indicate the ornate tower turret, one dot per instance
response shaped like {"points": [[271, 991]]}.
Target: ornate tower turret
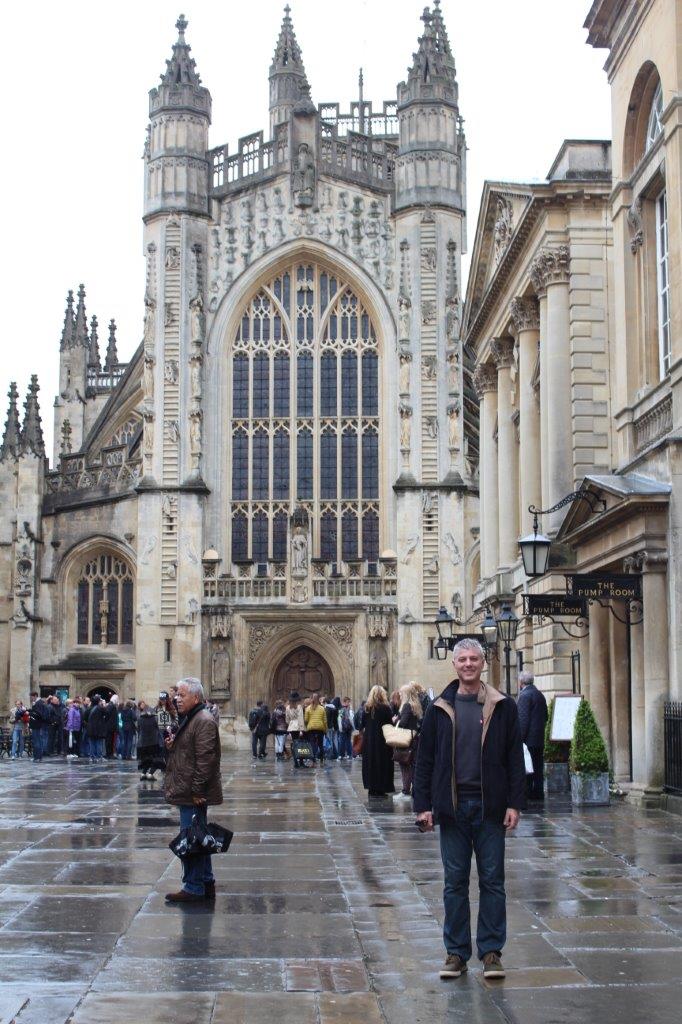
{"points": [[32, 430], [12, 435], [176, 169], [74, 356], [431, 163], [288, 80]]}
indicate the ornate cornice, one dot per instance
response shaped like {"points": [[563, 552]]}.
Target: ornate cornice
{"points": [[525, 313], [550, 266], [484, 379], [502, 350]]}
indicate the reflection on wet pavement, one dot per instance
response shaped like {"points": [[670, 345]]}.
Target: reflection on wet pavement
{"points": [[326, 912]]}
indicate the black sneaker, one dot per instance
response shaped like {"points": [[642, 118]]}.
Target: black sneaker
{"points": [[453, 967]]}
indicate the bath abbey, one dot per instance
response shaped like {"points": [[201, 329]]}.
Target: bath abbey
{"points": [[280, 489]]}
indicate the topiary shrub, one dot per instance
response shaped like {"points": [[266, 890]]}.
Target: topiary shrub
{"points": [[555, 753], [588, 750]]}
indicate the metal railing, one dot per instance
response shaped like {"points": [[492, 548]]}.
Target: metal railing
{"points": [[672, 746]]}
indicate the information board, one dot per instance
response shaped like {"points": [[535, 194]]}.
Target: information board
{"points": [[563, 718]]}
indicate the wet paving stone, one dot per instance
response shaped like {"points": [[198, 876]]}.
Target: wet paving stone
{"points": [[325, 912]]}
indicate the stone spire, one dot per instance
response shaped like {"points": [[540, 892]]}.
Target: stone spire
{"points": [[81, 322], [12, 436], [288, 80], [32, 431], [69, 329], [180, 83], [111, 360], [432, 75], [94, 360]]}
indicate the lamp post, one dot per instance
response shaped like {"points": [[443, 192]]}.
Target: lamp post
{"points": [[447, 638], [535, 547], [507, 627]]}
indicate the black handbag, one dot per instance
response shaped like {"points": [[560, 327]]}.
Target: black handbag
{"points": [[303, 750], [201, 840]]}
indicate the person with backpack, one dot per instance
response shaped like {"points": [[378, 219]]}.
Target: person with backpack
{"points": [[278, 725], [259, 724], [346, 726]]}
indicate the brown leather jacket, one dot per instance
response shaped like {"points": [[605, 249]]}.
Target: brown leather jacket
{"points": [[193, 767]]}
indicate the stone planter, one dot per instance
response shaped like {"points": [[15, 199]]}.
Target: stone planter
{"points": [[590, 789], [557, 781]]}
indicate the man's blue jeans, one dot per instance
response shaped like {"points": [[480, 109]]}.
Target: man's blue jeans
{"points": [[459, 836], [196, 871], [39, 742], [97, 748], [18, 741]]}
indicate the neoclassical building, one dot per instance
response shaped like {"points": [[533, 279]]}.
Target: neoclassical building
{"points": [[574, 317], [279, 489]]}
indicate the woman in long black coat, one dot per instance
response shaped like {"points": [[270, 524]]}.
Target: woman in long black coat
{"points": [[377, 758]]}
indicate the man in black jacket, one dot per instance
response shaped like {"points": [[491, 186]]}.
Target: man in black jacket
{"points": [[532, 708], [469, 779]]}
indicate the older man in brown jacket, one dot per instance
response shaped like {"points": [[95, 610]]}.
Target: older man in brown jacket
{"points": [[192, 782]]}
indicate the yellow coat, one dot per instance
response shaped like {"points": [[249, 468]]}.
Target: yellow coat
{"points": [[316, 718]]}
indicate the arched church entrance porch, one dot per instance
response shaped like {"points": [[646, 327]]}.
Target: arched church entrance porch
{"points": [[304, 670]]}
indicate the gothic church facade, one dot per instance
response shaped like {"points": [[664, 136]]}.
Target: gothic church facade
{"points": [[279, 490]]}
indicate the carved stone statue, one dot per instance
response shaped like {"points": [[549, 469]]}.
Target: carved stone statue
{"points": [[149, 378], [149, 435], [195, 433], [379, 665], [171, 371], [453, 318], [404, 317], [405, 360], [304, 177], [221, 669], [299, 553], [197, 321], [453, 417], [173, 431], [405, 425], [149, 331], [432, 427], [453, 370], [503, 227]]}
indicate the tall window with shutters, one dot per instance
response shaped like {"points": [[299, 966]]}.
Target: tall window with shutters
{"points": [[304, 418]]}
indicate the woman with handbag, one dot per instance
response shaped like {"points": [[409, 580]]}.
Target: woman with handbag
{"points": [[410, 717], [377, 757]]}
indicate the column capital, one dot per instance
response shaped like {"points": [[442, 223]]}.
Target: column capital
{"points": [[550, 265], [525, 313], [502, 350], [484, 379], [647, 562]]}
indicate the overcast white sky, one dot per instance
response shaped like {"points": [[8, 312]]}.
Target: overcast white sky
{"points": [[76, 79]]}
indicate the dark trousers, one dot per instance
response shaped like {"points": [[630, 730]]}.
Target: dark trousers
{"points": [[39, 739], [535, 782], [196, 871], [461, 836], [345, 744], [127, 738], [258, 744], [316, 737]]}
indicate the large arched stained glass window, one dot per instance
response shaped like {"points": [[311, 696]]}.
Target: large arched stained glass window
{"points": [[304, 418]]}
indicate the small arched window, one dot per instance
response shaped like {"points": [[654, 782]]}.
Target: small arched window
{"points": [[654, 126], [105, 601]]}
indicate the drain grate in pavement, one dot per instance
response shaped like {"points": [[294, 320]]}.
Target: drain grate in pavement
{"points": [[346, 822]]}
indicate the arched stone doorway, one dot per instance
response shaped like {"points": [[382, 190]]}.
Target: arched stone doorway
{"points": [[305, 670], [101, 690]]}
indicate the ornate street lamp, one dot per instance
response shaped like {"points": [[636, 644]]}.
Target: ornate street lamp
{"points": [[489, 629], [507, 627], [535, 551], [445, 624]]}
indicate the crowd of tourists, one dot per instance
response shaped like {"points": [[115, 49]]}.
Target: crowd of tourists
{"points": [[95, 728], [317, 729]]}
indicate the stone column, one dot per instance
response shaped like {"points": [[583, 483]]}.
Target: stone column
{"points": [[550, 271], [600, 690], [618, 664], [525, 314], [507, 456], [485, 383], [637, 690], [656, 677]]}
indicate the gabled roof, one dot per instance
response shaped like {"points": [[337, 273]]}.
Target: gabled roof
{"points": [[125, 389], [623, 494], [490, 252]]}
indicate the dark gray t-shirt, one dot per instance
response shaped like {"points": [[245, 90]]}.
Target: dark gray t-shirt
{"points": [[468, 732]]}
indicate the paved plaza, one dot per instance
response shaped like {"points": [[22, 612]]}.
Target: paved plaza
{"points": [[325, 912]]}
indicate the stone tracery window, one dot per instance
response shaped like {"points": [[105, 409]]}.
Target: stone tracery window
{"points": [[105, 601], [304, 418]]}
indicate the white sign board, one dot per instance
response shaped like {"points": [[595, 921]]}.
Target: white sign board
{"points": [[563, 719]]}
